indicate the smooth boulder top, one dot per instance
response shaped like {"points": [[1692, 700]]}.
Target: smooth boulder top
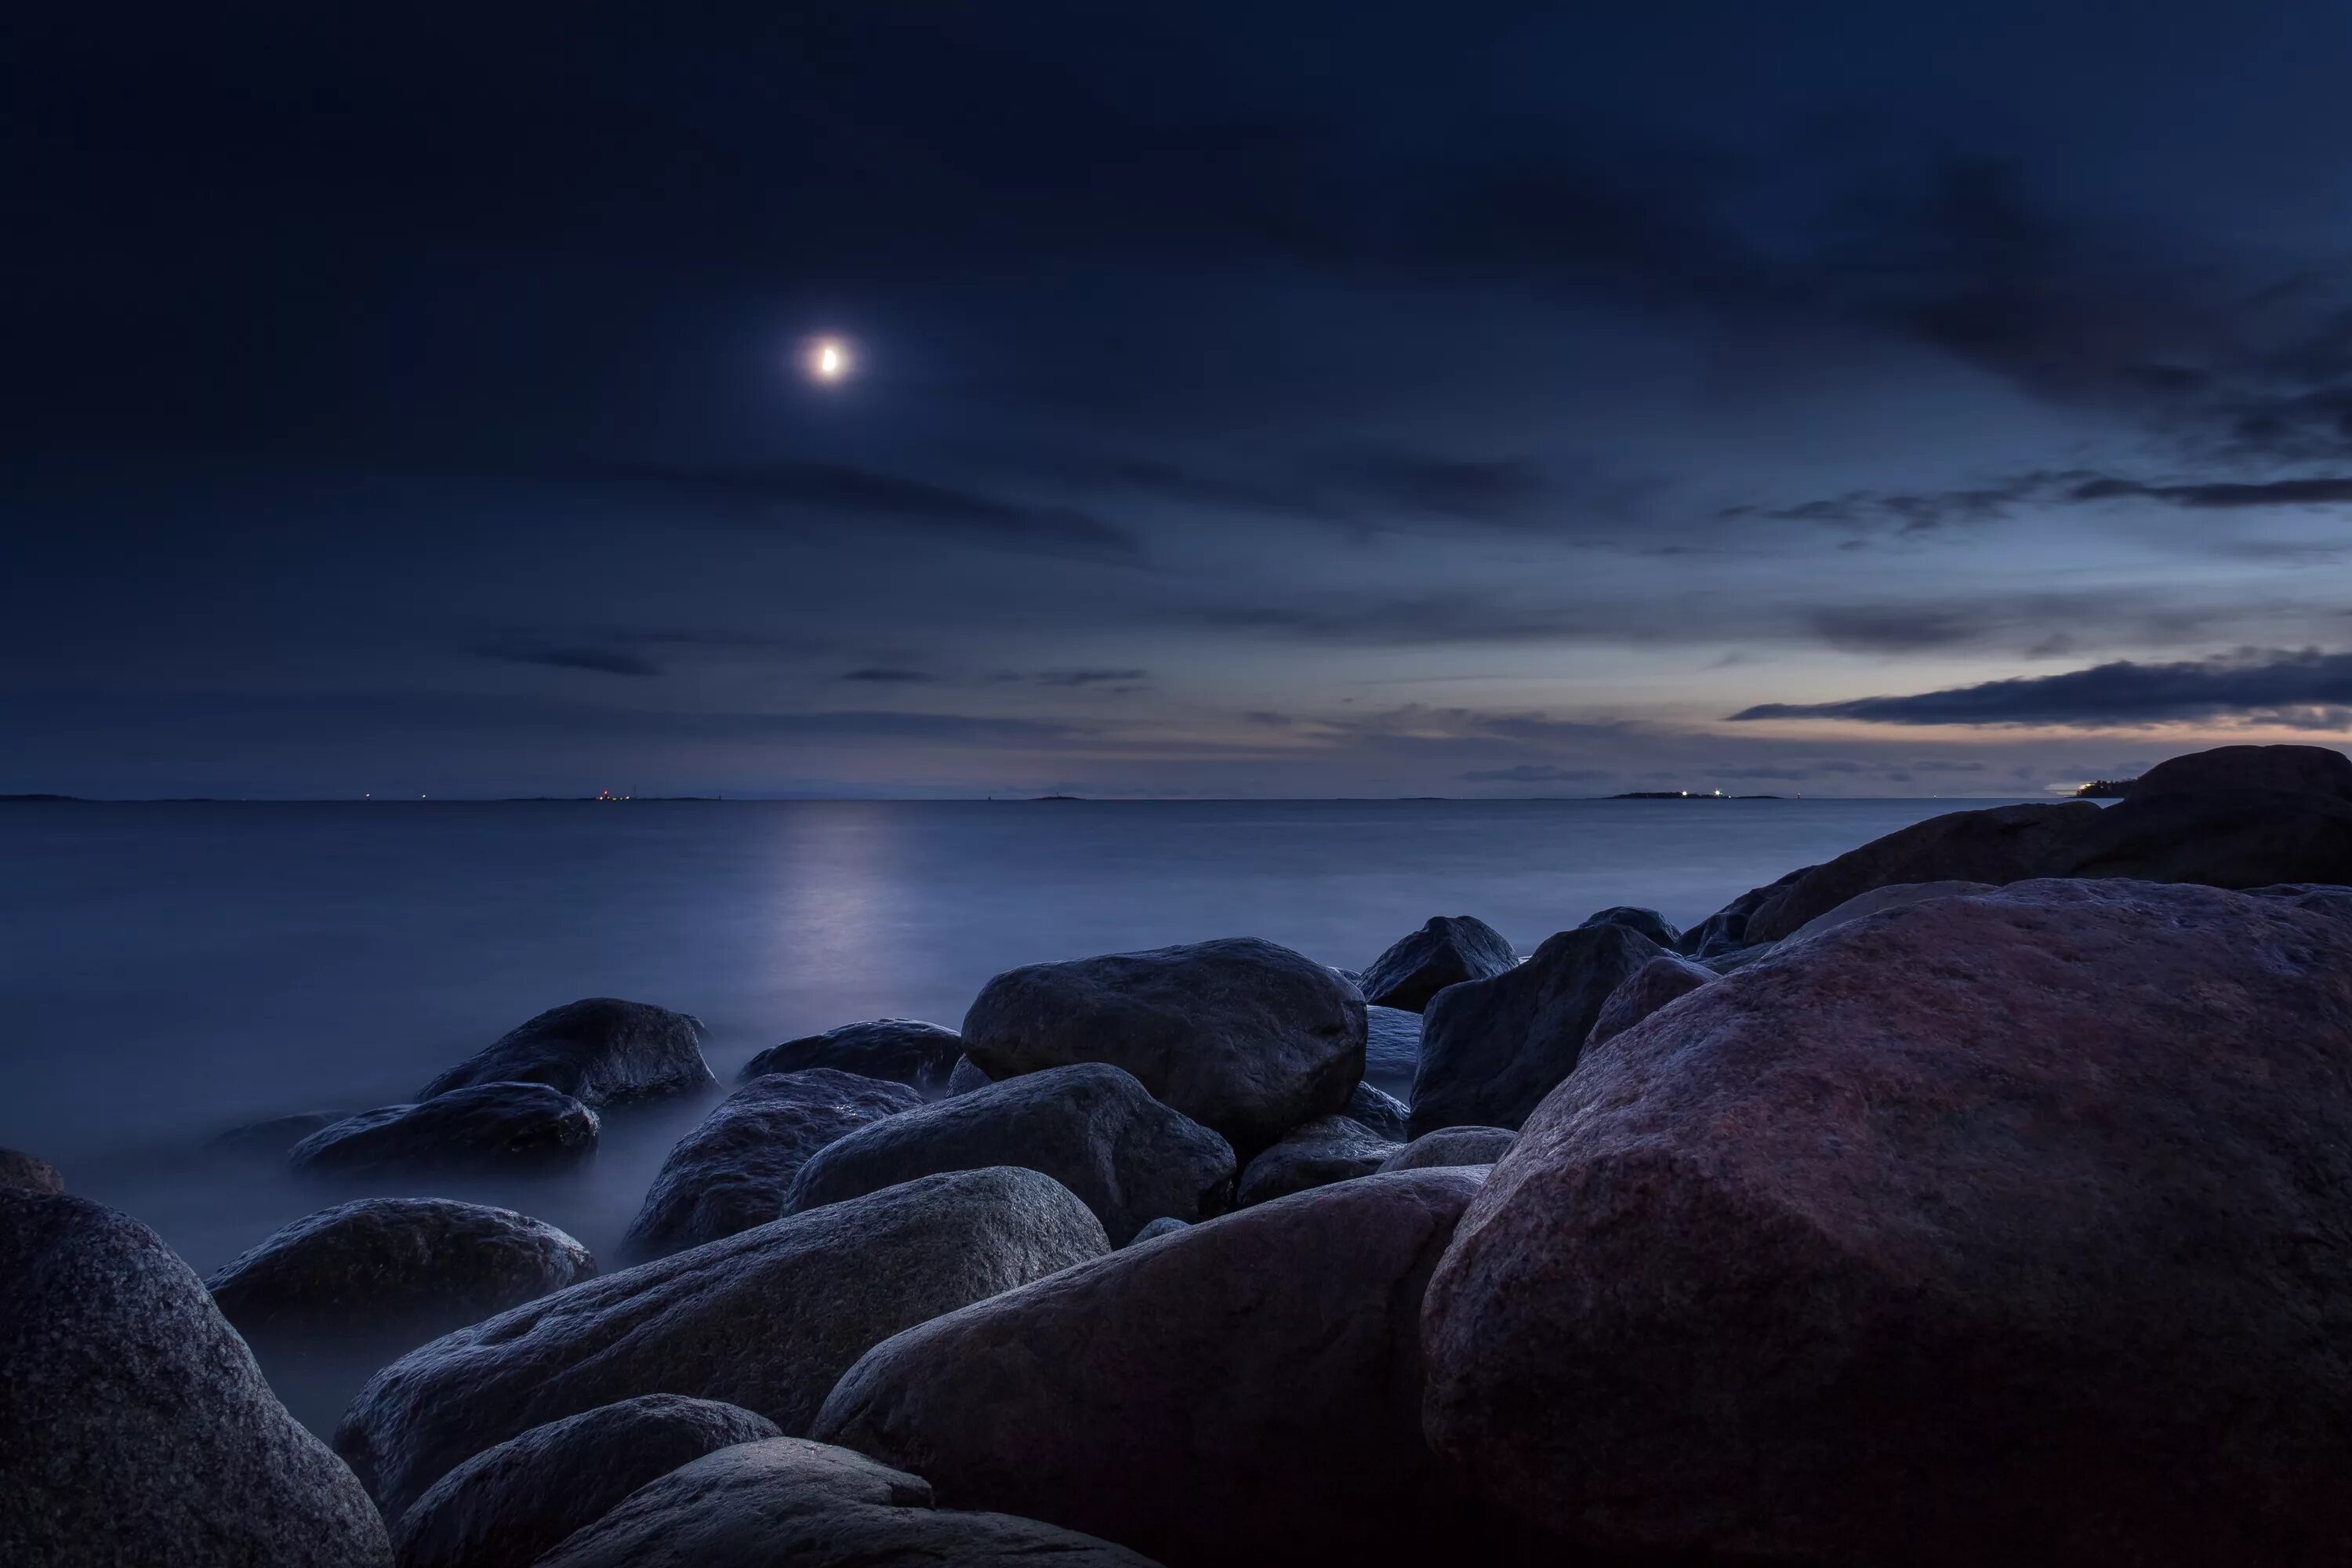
{"points": [[1240, 1391], [790, 1501], [766, 1319], [1382, 1113], [1089, 1126], [1391, 1048], [1649, 923], [2291, 770], [1665, 978], [1326, 1149], [413, 1268], [1450, 1147], [1893, 895], [1247, 1038], [488, 1126], [599, 1051], [1999, 844], [1446, 951], [734, 1169], [1491, 1049], [2223, 838], [1999, 1228], [25, 1173], [903, 1050], [134, 1425], [508, 1505]]}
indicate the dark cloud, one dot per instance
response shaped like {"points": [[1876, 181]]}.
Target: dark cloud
{"points": [[1073, 677], [1262, 716], [1534, 773], [1909, 629], [2217, 495], [883, 675], [2308, 689], [600, 660]]}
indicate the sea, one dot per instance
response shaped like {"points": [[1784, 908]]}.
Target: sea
{"points": [[169, 971]]}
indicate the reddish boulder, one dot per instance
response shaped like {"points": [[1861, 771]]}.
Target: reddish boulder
{"points": [[2014, 1227], [1664, 979], [2284, 770], [1999, 845]]}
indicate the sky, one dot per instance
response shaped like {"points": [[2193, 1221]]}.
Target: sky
{"points": [[1248, 399]]}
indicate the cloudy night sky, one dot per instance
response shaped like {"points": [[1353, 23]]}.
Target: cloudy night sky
{"points": [[1256, 399]]}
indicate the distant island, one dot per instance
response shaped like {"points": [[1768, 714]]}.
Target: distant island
{"points": [[2105, 789], [1688, 794]]}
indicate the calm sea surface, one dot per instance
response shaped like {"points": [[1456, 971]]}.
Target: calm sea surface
{"points": [[169, 971]]}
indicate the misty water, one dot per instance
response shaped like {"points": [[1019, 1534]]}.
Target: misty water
{"points": [[168, 972]]}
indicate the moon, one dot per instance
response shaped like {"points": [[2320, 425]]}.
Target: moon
{"points": [[828, 360]]}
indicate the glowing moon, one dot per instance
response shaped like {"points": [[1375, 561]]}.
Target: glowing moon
{"points": [[828, 360]]}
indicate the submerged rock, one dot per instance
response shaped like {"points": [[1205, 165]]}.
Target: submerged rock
{"points": [[790, 1501], [1446, 951], [510, 1504], [1999, 1228], [1450, 1147], [404, 1269], [766, 1319], [488, 1126], [734, 1169], [1091, 1127], [599, 1051], [28, 1173], [903, 1050], [1665, 978], [135, 1425], [1315, 1155], [1491, 1049], [1247, 1038]]}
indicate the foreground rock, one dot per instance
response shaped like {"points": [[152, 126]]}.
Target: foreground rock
{"points": [[490, 1126], [1895, 896], [903, 1050], [1446, 951], [1315, 1155], [598, 1051], [510, 1504], [1247, 1038], [25, 1173], [766, 1319], [1999, 844], [1665, 978], [2001, 1228], [732, 1172], [403, 1269], [790, 1501], [1391, 1048], [2277, 770], [1491, 1049], [1245, 1391], [1090, 1127], [135, 1425], [1451, 1146]]}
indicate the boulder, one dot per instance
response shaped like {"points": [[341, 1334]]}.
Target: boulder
{"points": [[1385, 1114], [1326, 1149], [767, 1320], [1649, 923], [2223, 839], [966, 1077], [1893, 895], [903, 1050], [1662, 980], [2323, 898], [1246, 1391], [1999, 845], [790, 1501], [1727, 929], [2000, 1228], [135, 1425], [488, 1126], [1491, 1049], [1246, 1038], [396, 1269], [1166, 1225], [1391, 1048], [2280, 770], [732, 1170], [1450, 1147], [1089, 1126], [272, 1137], [598, 1052], [511, 1503], [21, 1171], [1446, 951]]}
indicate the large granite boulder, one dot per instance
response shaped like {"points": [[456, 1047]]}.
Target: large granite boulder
{"points": [[1451, 1146], [510, 1504], [394, 1270], [135, 1425], [1665, 978], [767, 1320], [1313, 1154], [1089, 1126], [732, 1170], [1247, 1038], [2223, 839], [1491, 1049], [1893, 895], [598, 1050], [1649, 923], [1391, 1048], [1999, 845], [791, 1503], [489, 1126], [903, 1050], [28, 1174], [1243, 1391], [1446, 951], [1726, 930], [2278, 769], [2001, 1228]]}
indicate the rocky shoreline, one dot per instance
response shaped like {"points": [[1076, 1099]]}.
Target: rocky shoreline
{"points": [[1983, 1194]]}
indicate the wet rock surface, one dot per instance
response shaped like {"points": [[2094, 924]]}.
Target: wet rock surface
{"points": [[599, 1051], [902, 1050], [1446, 951], [488, 1126]]}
